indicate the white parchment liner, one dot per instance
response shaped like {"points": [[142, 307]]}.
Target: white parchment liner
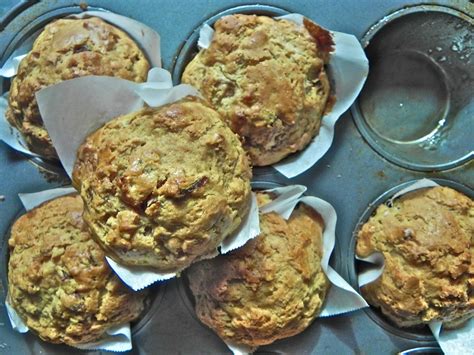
{"points": [[341, 298], [72, 109], [118, 338], [147, 39], [348, 70], [451, 341]]}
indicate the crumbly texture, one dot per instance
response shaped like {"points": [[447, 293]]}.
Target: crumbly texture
{"points": [[164, 186], [271, 288], [58, 279], [267, 79], [426, 238], [67, 49]]}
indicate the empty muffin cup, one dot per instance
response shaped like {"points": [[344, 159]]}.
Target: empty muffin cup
{"points": [[416, 107]]}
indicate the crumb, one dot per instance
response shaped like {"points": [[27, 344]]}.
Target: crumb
{"points": [[83, 6]]}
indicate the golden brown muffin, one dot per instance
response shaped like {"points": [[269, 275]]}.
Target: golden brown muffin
{"points": [[163, 186], [271, 288], [67, 49], [59, 281], [267, 79], [426, 238]]}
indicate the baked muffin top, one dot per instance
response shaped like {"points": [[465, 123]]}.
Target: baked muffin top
{"points": [[426, 238], [271, 288], [163, 186], [267, 79], [67, 49], [58, 280]]}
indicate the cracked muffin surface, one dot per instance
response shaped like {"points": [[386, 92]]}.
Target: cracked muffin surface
{"points": [[426, 238], [58, 279], [271, 288], [163, 187], [267, 79], [67, 49]]}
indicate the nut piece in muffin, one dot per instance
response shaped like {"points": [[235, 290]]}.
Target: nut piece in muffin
{"points": [[426, 238], [163, 187], [267, 79], [271, 288], [58, 279], [67, 49]]}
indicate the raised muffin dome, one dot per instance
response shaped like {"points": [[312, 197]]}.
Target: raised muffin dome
{"points": [[67, 49], [163, 187], [267, 79], [58, 279]]}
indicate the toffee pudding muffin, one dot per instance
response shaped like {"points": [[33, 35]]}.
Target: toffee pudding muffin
{"points": [[163, 187], [59, 282], [271, 288], [267, 79], [67, 49], [427, 240]]}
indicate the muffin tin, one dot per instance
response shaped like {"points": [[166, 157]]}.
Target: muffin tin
{"points": [[349, 176], [415, 107]]}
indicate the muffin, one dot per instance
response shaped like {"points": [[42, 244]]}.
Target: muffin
{"points": [[426, 238], [59, 282], [67, 49], [271, 288], [163, 187], [267, 79]]}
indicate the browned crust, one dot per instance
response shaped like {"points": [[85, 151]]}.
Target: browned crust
{"points": [[426, 239], [267, 78], [271, 288], [67, 49], [59, 281], [163, 186]]}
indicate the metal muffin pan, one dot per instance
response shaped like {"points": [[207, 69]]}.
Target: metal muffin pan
{"points": [[427, 350], [416, 108], [348, 176], [422, 334]]}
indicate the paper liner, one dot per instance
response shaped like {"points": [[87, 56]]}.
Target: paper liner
{"points": [[32, 200], [118, 338], [451, 341], [73, 109], [455, 341], [147, 39], [15, 320], [249, 227], [341, 298], [348, 69], [238, 349]]}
